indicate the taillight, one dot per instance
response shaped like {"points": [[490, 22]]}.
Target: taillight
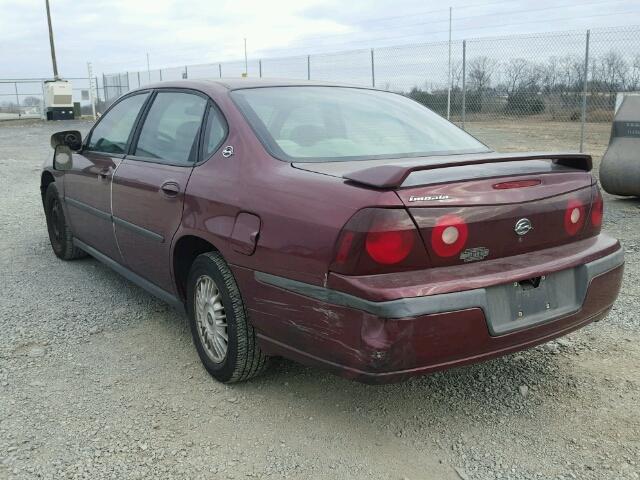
{"points": [[389, 247], [379, 240], [597, 211], [574, 217], [449, 235]]}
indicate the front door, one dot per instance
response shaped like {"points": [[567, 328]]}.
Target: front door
{"points": [[87, 184], [149, 185]]}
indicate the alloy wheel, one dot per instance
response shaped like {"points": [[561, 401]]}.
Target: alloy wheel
{"points": [[211, 319]]}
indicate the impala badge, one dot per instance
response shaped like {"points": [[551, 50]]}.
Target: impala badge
{"points": [[523, 226], [428, 198]]}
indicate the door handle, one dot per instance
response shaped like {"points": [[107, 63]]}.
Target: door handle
{"points": [[170, 189]]}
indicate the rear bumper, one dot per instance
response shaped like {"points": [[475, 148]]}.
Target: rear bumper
{"points": [[387, 341]]}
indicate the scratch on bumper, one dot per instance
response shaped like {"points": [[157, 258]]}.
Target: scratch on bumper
{"points": [[416, 306]]}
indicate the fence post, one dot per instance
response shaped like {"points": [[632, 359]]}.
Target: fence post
{"points": [[104, 88], [220, 69], [139, 85], [43, 113], [186, 72], [160, 71], [464, 81], [15, 85], [373, 71], [260, 68], [308, 67], [583, 115]]}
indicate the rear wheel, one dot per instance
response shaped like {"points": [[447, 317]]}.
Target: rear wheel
{"points": [[223, 336], [58, 228]]}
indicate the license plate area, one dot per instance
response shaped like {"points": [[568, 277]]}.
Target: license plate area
{"points": [[532, 301]]}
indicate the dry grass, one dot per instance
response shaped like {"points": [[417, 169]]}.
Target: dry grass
{"points": [[517, 135]]}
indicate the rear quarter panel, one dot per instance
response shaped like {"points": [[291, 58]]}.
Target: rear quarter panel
{"points": [[301, 212]]}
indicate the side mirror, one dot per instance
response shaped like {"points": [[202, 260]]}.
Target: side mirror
{"points": [[62, 158], [69, 138]]}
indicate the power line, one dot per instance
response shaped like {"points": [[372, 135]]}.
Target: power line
{"points": [[302, 48], [469, 17], [414, 14], [402, 37]]}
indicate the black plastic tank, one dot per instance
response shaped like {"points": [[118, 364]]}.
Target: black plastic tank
{"points": [[620, 166]]}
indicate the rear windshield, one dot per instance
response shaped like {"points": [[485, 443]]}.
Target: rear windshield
{"points": [[302, 123]]}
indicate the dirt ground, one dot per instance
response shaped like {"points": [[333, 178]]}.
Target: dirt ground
{"points": [[100, 380]]}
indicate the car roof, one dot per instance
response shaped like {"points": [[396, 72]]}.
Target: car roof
{"points": [[218, 85]]}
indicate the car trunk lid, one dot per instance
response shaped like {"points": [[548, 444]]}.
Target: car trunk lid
{"points": [[509, 203]]}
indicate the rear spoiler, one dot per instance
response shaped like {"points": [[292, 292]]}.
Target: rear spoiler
{"points": [[393, 175]]}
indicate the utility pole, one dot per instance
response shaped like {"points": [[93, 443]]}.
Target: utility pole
{"points": [[148, 68], [53, 48], [449, 72], [246, 65]]}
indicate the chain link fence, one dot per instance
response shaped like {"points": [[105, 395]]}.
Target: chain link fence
{"points": [[570, 78], [24, 98], [561, 82]]}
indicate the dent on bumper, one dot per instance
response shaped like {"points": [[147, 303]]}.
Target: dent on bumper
{"points": [[427, 305], [381, 342]]}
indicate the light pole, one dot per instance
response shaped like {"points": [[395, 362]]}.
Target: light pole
{"points": [[53, 48]]}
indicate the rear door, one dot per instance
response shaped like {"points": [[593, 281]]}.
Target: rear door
{"points": [[149, 186], [88, 182]]}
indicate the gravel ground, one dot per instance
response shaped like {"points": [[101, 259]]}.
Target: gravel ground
{"points": [[100, 380]]}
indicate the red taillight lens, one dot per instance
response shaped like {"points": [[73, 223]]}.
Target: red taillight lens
{"points": [[379, 240], [389, 247], [574, 217], [344, 247], [597, 211], [449, 235]]}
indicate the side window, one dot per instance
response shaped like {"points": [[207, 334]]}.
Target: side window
{"points": [[110, 135], [214, 132], [171, 128]]}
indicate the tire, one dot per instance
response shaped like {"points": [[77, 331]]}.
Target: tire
{"points": [[213, 298], [59, 231]]}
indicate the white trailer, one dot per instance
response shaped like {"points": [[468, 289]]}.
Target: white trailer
{"points": [[58, 100]]}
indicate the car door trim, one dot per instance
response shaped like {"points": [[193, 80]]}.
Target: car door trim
{"points": [[152, 288], [88, 208], [138, 229], [116, 220]]}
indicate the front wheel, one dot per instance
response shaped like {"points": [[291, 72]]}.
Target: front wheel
{"points": [[223, 336], [58, 227]]}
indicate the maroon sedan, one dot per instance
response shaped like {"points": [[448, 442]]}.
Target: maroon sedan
{"points": [[342, 227]]}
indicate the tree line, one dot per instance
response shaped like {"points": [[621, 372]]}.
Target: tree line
{"points": [[522, 86]]}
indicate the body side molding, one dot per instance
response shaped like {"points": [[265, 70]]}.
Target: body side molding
{"points": [[129, 275], [118, 221]]}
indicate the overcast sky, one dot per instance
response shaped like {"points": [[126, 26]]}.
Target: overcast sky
{"points": [[116, 34]]}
